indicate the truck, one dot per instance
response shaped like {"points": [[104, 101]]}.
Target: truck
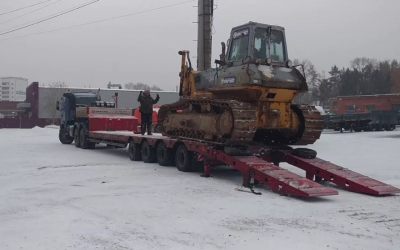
{"points": [[84, 112], [240, 114]]}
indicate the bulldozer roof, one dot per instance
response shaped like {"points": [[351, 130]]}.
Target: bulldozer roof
{"points": [[258, 25]]}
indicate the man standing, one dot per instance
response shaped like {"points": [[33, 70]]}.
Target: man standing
{"points": [[146, 110]]}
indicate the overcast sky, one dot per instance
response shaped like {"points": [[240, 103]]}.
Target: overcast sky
{"points": [[143, 47]]}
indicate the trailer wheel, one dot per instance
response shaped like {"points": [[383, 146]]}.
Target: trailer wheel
{"points": [[183, 159], [164, 154], [76, 137], [305, 153], [64, 137], [148, 153], [390, 127], [134, 152]]}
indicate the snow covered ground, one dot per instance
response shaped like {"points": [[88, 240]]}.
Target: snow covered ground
{"points": [[55, 196]]}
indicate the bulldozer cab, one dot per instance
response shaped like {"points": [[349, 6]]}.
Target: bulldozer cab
{"points": [[261, 43], [256, 59]]}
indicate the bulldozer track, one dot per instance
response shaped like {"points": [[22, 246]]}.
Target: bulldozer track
{"points": [[313, 125], [244, 122], [243, 114]]}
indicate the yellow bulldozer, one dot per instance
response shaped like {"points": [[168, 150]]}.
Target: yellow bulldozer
{"points": [[247, 98]]}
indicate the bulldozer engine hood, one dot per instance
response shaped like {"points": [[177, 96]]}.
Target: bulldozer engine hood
{"points": [[251, 75]]}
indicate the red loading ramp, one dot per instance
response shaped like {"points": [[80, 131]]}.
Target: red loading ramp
{"points": [[278, 179], [281, 180], [345, 178]]}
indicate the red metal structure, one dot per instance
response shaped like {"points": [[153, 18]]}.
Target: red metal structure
{"points": [[138, 115], [111, 121], [365, 103], [24, 114]]}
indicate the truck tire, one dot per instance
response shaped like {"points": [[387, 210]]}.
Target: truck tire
{"points": [[64, 137], [148, 153], [390, 127], [77, 137], [183, 159], [305, 153], [134, 152], [164, 154], [83, 138]]}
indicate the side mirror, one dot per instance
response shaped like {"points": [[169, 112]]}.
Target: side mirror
{"points": [[222, 56], [220, 62], [223, 49]]}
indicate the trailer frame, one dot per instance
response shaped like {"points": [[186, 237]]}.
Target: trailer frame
{"points": [[257, 164]]}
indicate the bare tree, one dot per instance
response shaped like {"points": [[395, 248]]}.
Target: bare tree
{"points": [[141, 86], [360, 63], [58, 84], [313, 79]]}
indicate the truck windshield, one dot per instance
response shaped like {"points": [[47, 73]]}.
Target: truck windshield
{"points": [[85, 101], [275, 47], [240, 44]]}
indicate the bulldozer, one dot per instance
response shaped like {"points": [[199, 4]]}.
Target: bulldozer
{"points": [[247, 98]]}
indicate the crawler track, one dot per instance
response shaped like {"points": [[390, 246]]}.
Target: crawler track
{"points": [[242, 116], [312, 125], [238, 126]]}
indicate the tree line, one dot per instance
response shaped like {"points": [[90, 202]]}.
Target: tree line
{"points": [[364, 76], [141, 86]]}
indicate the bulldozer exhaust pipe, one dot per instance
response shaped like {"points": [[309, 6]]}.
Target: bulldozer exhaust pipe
{"points": [[204, 36]]}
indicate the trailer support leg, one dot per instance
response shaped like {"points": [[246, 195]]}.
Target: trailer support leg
{"points": [[207, 169], [310, 175], [246, 180]]}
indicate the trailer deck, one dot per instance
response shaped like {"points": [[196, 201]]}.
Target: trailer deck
{"points": [[255, 167]]}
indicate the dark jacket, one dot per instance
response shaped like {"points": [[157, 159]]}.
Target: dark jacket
{"points": [[146, 103]]}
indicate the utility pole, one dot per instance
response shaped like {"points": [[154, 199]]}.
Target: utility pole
{"points": [[204, 37]]}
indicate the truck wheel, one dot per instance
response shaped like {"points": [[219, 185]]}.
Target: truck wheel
{"points": [[134, 152], [305, 153], [183, 159], [148, 153], [390, 127], [164, 155], [77, 137], [64, 137], [83, 139]]}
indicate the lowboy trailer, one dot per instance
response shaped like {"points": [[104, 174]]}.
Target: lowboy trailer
{"points": [[258, 165], [87, 123]]}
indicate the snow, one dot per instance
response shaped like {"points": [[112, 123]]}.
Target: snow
{"points": [[56, 196]]}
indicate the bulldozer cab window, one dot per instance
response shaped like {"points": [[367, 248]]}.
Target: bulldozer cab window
{"points": [[266, 46], [240, 45]]}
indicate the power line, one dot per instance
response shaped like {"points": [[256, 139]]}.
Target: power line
{"points": [[30, 12], [101, 20], [25, 7], [49, 18]]}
